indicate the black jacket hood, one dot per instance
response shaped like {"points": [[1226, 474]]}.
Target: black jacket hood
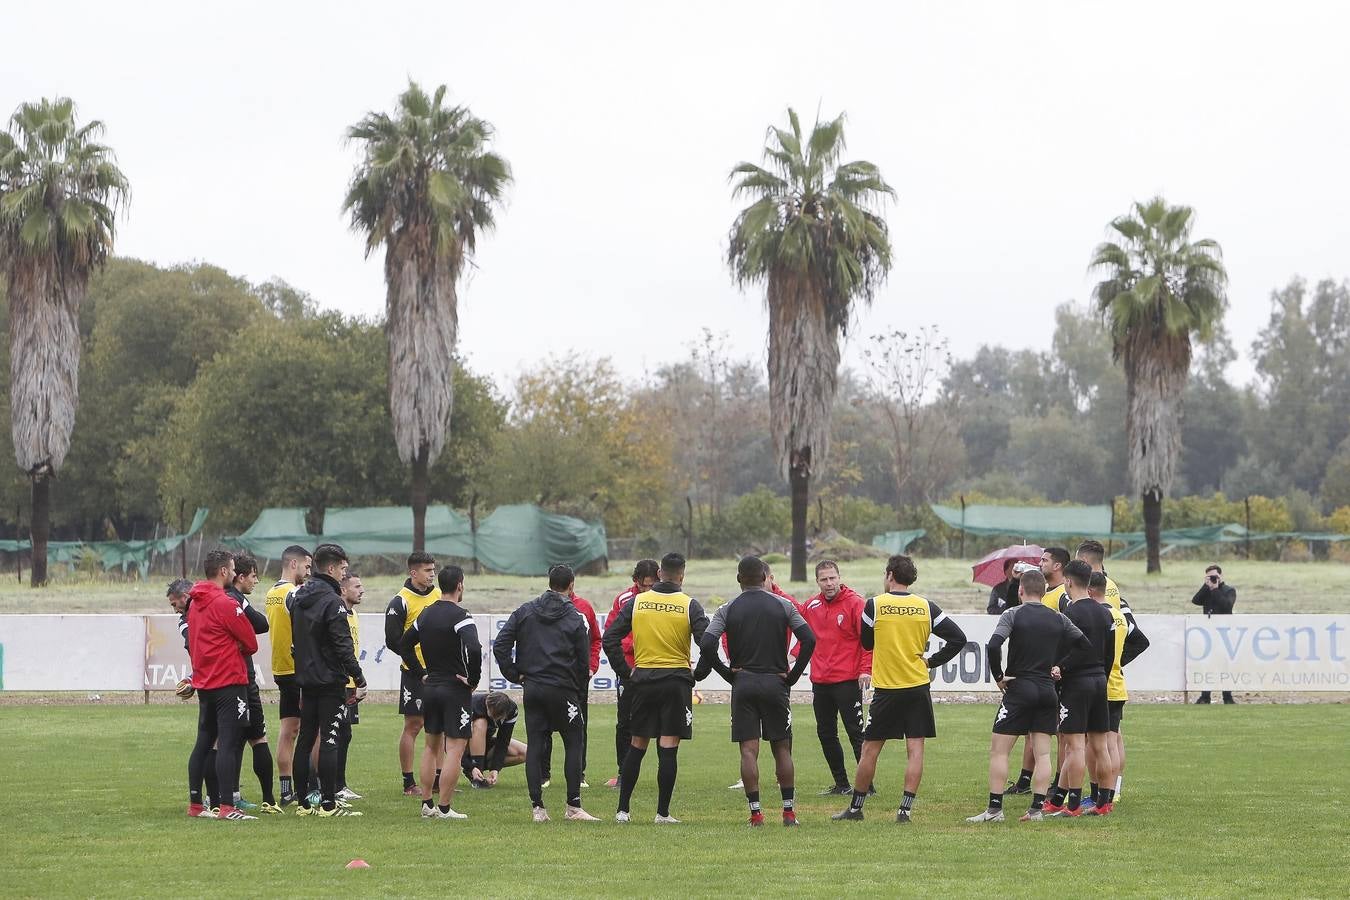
{"points": [[550, 606]]}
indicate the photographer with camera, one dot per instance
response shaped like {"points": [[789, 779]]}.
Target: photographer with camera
{"points": [[1217, 599]]}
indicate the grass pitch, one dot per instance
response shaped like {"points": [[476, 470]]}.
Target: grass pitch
{"points": [[1244, 800]]}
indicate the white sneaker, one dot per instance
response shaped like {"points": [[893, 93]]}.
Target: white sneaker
{"points": [[621, 817], [237, 816], [428, 812], [667, 820], [577, 814], [540, 814], [989, 815], [450, 814], [349, 795], [738, 786]]}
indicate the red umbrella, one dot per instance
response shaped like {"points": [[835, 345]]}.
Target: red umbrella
{"points": [[990, 569]]}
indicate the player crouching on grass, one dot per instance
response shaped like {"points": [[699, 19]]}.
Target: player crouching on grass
{"points": [[491, 748]]}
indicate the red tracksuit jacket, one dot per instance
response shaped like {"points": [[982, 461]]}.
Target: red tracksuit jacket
{"points": [[219, 636], [614, 611], [588, 613], [837, 623]]}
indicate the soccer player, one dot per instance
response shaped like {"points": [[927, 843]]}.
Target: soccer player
{"points": [[1084, 722], [453, 657], [841, 670], [244, 581], [545, 648], [219, 637], [593, 632], [1129, 643], [754, 622], [491, 748], [1053, 561], [1039, 637], [418, 592], [895, 627], [644, 576], [353, 592], [295, 566], [662, 622], [324, 660]]}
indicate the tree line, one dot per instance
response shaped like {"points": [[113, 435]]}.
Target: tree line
{"points": [[198, 388]]}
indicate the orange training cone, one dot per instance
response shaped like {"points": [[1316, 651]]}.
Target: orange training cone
{"points": [[358, 864]]}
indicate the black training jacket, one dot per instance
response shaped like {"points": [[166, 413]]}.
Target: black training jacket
{"points": [[321, 639], [551, 644]]}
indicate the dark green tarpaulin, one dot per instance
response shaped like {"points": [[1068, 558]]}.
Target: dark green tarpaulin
{"points": [[272, 532], [525, 540], [372, 530], [1027, 521], [897, 541]]}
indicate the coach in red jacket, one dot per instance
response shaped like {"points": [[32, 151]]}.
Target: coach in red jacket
{"points": [[644, 576], [219, 638], [840, 669]]}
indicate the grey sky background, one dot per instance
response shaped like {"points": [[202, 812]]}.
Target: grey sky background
{"points": [[1012, 132]]}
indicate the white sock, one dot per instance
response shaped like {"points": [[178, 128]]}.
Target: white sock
{"points": [[1120, 779]]}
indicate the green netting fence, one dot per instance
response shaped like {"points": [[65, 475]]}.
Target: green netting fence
{"points": [[514, 540], [113, 554]]}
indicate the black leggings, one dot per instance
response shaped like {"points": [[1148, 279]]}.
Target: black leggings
{"points": [[546, 764], [623, 738], [322, 714], [830, 702], [549, 709], [222, 717]]}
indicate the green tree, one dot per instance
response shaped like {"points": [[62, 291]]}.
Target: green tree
{"points": [[814, 235], [1159, 289], [426, 186], [59, 193]]}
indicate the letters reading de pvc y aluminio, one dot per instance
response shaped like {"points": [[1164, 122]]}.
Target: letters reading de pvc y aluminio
{"points": [[1267, 643]]}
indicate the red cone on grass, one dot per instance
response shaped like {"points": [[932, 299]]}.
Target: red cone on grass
{"points": [[358, 864]]}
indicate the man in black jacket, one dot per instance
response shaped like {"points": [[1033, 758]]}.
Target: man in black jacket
{"points": [[757, 624], [245, 580], [324, 658], [454, 664], [545, 647], [1217, 599]]}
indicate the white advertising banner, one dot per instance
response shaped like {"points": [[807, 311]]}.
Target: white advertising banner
{"points": [[1240, 653], [71, 653], [1267, 653]]}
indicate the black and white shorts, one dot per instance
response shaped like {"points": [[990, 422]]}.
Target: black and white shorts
{"points": [[289, 689], [760, 707], [445, 708], [1082, 705], [900, 713], [661, 706], [1029, 705], [409, 694], [1115, 710]]}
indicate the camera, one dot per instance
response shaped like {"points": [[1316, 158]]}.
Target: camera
{"points": [[1021, 568]]}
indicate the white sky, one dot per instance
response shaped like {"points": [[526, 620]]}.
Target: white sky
{"points": [[1012, 132]]}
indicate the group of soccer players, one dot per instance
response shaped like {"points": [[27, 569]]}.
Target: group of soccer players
{"points": [[1068, 635]]}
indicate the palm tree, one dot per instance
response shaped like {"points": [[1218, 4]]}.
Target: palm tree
{"points": [[814, 234], [426, 186], [59, 193], [1159, 289]]}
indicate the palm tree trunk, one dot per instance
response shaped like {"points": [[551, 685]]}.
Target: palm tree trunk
{"points": [[419, 498], [1152, 528], [41, 527], [799, 478]]}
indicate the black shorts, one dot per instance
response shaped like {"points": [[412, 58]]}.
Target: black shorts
{"points": [[446, 708], [1082, 705], [290, 696], [257, 725], [901, 713], [661, 706], [1115, 711], [549, 708], [410, 690], [760, 707], [1028, 705]]}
